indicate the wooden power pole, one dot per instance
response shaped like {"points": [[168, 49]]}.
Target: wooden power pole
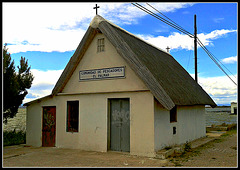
{"points": [[195, 47]]}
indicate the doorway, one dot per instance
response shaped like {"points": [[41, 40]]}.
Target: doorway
{"points": [[119, 125], [49, 126]]}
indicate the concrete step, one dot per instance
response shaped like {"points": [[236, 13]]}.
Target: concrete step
{"points": [[165, 153]]}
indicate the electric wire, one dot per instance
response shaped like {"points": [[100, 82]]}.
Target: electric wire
{"points": [[169, 19], [216, 58], [178, 27], [212, 57], [162, 19]]}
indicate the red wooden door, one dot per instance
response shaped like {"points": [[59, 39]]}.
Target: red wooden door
{"points": [[49, 126]]}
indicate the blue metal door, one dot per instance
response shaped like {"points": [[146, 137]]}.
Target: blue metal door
{"points": [[119, 125]]}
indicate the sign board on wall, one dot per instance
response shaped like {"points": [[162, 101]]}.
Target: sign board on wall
{"points": [[103, 73]]}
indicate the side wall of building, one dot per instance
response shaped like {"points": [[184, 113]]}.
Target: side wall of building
{"points": [[190, 125]]}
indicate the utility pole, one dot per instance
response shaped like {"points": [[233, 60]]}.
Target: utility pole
{"points": [[195, 47]]}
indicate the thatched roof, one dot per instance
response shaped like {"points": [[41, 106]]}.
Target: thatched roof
{"points": [[168, 81]]}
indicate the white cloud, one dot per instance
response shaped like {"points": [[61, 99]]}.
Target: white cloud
{"points": [[171, 41], [229, 60], [126, 13], [181, 41], [43, 83], [47, 41], [206, 38], [168, 7], [60, 26], [221, 89], [45, 77], [41, 24]]}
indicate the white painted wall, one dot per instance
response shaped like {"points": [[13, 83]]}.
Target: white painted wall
{"points": [[142, 125], [96, 60], [92, 135], [33, 126], [190, 125]]}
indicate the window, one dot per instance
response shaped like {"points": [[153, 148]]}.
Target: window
{"points": [[173, 115], [100, 45], [72, 116], [174, 130]]}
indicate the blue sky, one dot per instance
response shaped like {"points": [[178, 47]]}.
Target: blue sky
{"points": [[47, 34]]}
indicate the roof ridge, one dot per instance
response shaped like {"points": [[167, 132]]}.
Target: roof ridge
{"points": [[98, 19]]}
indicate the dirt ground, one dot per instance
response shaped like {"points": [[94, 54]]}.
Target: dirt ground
{"points": [[221, 152]]}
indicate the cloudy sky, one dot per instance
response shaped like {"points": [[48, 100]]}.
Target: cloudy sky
{"points": [[47, 34]]}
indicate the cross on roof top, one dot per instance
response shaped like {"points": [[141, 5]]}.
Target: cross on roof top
{"points": [[168, 49], [96, 7]]}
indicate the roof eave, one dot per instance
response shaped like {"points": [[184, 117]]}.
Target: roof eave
{"points": [[38, 100]]}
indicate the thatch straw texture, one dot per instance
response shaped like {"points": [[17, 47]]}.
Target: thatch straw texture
{"points": [[168, 81]]}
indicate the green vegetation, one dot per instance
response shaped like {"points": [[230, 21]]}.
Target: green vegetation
{"points": [[15, 84], [187, 147], [232, 127], [232, 130], [14, 138]]}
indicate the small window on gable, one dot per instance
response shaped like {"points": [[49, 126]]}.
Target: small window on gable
{"points": [[173, 115], [72, 116], [100, 45]]}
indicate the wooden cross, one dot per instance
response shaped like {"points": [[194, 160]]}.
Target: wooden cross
{"points": [[96, 7], [168, 49]]}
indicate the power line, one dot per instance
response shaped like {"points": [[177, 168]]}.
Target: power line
{"points": [[216, 58], [213, 58], [162, 19], [181, 29], [169, 19]]}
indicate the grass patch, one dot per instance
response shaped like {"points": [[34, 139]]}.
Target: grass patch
{"points": [[187, 147], [232, 127], [231, 131], [14, 138]]}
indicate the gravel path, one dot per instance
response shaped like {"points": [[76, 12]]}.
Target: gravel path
{"points": [[221, 152]]}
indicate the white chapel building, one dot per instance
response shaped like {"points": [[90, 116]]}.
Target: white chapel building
{"points": [[119, 93]]}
